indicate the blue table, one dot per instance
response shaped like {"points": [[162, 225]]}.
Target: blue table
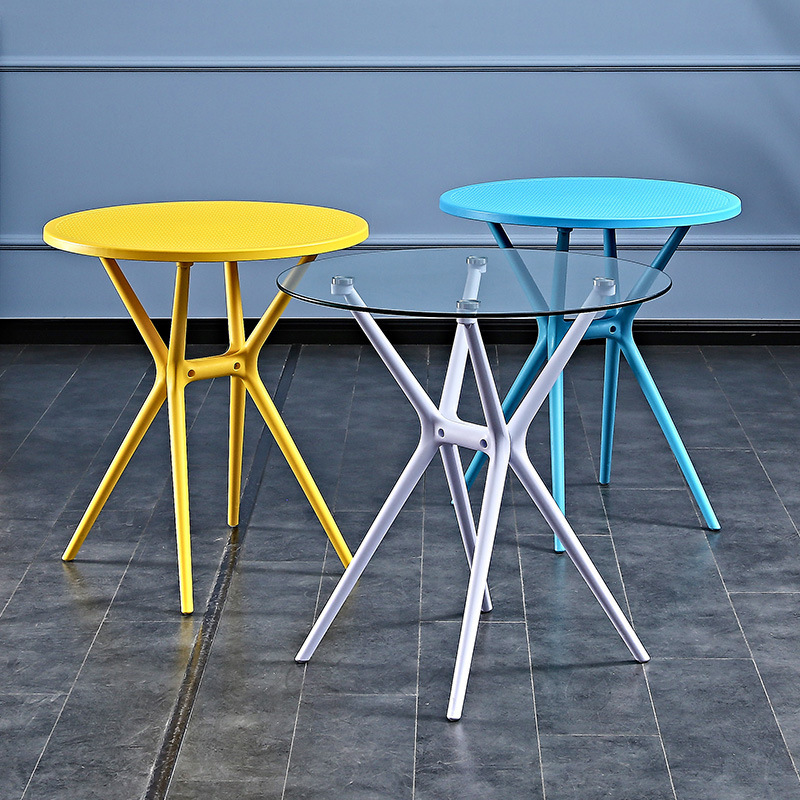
{"points": [[607, 204]]}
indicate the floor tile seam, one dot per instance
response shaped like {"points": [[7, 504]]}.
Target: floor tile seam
{"points": [[65, 507], [776, 451], [162, 769], [42, 695], [328, 548], [546, 535], [26, 571], [419, 660], [744, 432], [69, 692], [627, 602], [366, 510], [717, 448], [554, 664], [601, 735], [760, 462], [752, 659], [46, 410], [615, 488], [93, 461], [64, 510], [653, 709], [781, 369], [773, 592], [229, 783], [659, 734], [300, 694], [528, 647], [483, 621], [293, 737], [106, 438], [347, 430], [347, 693], [46, 538], [662, 659]]}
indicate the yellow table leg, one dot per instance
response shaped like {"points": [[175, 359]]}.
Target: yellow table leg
{"points": [[278, 428], [253, 383], [233, 298], [144, 418], [276, 425], [236, 448], [177, 377]]}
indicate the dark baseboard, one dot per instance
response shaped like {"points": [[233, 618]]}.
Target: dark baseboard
{"points": [[399, 330]]}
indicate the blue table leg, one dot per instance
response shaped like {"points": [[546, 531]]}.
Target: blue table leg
{"points": [[610, 380], [550, 334], [616, 329], [556, 328], [653, 396], [526, 375]]}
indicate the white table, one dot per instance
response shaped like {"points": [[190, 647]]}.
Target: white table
{"points": [[467, 286]]}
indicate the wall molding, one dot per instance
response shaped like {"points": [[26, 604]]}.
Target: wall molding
{"points": [[581, 239], [288, 331], [756, 63]]}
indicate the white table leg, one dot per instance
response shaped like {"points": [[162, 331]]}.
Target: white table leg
{"points": [[460, 495], [448, 405], [386, 516], [549, 509], [498, 452]]}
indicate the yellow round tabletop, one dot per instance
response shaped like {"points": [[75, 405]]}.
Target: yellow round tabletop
{"points": [[215, 230]]}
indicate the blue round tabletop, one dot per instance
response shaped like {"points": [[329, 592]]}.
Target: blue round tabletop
{"points": [[591, 203]]}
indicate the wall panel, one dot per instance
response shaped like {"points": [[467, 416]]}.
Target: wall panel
{"points": [[379, 107], [396, 31], [386, 146]]}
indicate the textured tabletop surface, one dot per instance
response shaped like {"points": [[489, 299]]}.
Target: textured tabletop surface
{"points": [[591, 203], [206, 231]]}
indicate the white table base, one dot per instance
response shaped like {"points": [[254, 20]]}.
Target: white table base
{"points": [[504, 444]]}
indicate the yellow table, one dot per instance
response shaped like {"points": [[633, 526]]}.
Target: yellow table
{"points": [[186, 233]]}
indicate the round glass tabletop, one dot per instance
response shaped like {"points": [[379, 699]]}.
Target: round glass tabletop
{"points": [[474, 282]]}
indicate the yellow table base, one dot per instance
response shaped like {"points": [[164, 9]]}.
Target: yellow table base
{"points": [[173, 372]]}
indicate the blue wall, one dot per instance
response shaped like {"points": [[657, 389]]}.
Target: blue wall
{"points": [[377, 107]]}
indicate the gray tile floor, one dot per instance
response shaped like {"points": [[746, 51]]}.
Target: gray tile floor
{"points": [[95, 657]]}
